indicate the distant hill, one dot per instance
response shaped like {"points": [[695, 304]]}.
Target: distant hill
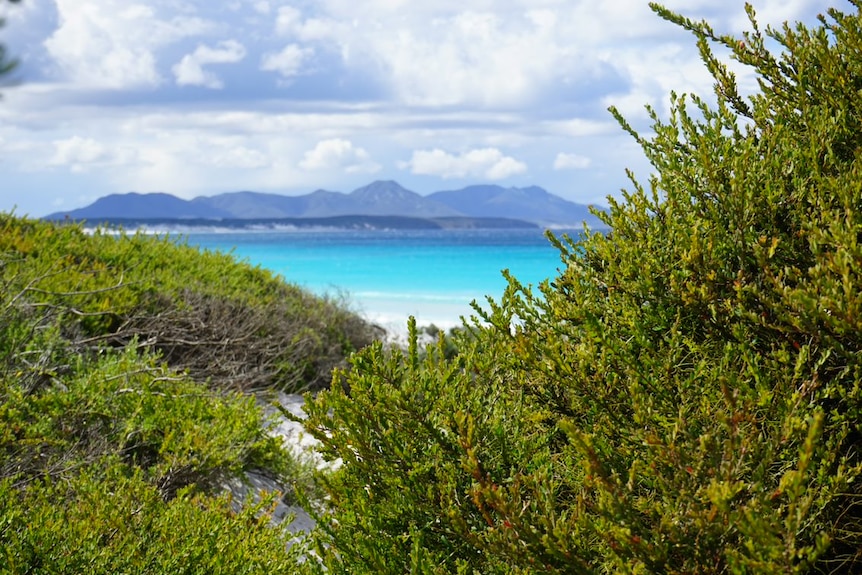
{"points": [[143, 206], [389, 198], [245, 205], [533, 204], [381, 198]]}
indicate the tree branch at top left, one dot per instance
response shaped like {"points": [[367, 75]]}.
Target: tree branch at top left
{"points": [[7, 64]]}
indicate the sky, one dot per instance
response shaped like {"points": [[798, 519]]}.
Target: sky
{"points": [[195, 97]]}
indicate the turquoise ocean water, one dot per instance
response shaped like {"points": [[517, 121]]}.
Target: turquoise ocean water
{"points": [[388, 275]]}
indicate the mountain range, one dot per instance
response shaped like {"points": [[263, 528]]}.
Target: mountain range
{"points": [[381, 198]]}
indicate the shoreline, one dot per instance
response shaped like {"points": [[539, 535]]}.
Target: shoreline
{"points": [[392, 315]]}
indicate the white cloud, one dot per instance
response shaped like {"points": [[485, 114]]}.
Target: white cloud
{"points": [[338, 153], [240, 157], [583, 127], [469, 57], [83, 154], [519, 52], [478, 88], [113, 43], [322, 29], [502, 54], [488, 163], [571, 162], [190, 70], [440, 53], [288, 20], [288, 62], [78, 150], [262, 7], [652, 75], [504, 168]]}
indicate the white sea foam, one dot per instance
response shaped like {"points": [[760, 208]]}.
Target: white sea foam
{"points": [[393, 314]]}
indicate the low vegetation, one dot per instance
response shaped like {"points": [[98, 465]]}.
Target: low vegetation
{"points": [[126, 370], [236, 326], [686, 397]]}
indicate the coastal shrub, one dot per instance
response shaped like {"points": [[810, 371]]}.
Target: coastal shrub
{"points": [[126, 420], [406, 426], [224, 321], [111, 521], [113, 463], [76, 411], [683, 398]]}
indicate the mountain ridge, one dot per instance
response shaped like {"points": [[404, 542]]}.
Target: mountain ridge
{"points": [[380, 198]]}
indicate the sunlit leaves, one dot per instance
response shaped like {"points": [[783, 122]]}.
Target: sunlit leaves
{"points": [[685, 396]]}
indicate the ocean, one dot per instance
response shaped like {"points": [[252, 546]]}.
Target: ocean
{"points": [[388, 275]]}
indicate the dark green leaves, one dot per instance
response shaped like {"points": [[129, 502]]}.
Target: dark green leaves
{"points": [[685, 396]]}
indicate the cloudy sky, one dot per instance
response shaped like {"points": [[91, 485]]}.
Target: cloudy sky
{"points": [[195, 97]]}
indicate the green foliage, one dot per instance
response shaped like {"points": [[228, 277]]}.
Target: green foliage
{"points": [[234, 324], [113, 463], [405, 433], [125, 363], [683, 398], [122, 406], [114, 522]]}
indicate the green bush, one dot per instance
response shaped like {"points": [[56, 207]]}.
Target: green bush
{"points": [[236, 325], [114, 522], [126, 364], [112, 463], [683, 398], [176, 431], [115, 464]]}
